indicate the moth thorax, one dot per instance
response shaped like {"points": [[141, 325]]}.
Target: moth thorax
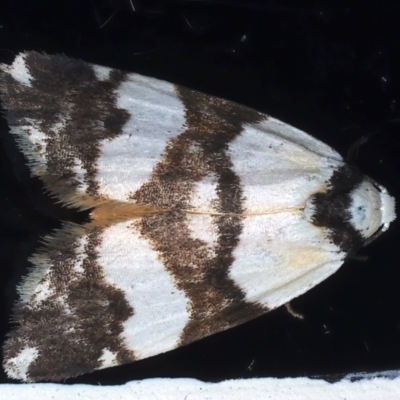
{"points": [[366, 209]]}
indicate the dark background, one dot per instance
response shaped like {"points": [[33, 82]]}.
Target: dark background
{"points": [[329, 68]]}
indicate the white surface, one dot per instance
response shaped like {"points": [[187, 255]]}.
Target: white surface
{"points": [[191, 389]]}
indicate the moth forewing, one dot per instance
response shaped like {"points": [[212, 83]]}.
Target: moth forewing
{"points": [[205, 214]]}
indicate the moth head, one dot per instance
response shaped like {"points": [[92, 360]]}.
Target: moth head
{"points": [[354, 214], [371, 209]]}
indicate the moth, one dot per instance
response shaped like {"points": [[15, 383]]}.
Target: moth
{"points": [[204, 215]]}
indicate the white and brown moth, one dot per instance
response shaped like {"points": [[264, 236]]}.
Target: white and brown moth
{"points": [[205, 214]]}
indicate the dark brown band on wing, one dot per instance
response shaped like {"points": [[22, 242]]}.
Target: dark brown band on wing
{"points": [[82, 316], [72, 108], [332, 209], [216, 302]]}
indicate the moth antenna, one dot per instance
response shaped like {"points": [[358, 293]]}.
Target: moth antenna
{"points": [[110, 18], [353, 148], [359, 257], [133, 7]]}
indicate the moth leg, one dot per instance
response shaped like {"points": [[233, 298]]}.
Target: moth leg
{"points": [[292, 312]]}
